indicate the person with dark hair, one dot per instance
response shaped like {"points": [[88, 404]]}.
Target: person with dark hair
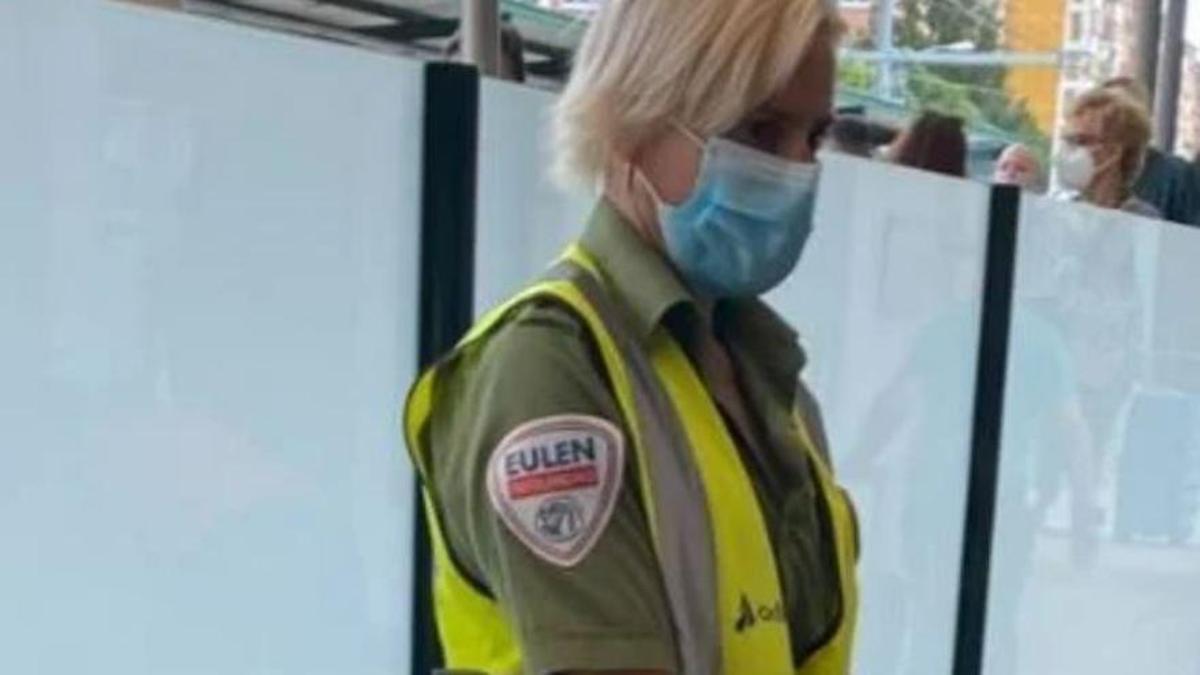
{"points": [[1166, 182], [856, 135], [934, 142]]}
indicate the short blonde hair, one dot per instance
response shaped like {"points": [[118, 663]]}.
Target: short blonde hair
{"points": [[703, 63], [1124, 122]]}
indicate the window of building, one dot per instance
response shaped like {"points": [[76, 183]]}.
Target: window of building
{"points": [[1075, 21], [1070, 95]]}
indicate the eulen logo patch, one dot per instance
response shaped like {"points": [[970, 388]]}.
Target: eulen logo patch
{"points": [[554, 482]]}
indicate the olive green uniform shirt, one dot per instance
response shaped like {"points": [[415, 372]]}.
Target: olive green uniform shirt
{"points": [[610, 611]]}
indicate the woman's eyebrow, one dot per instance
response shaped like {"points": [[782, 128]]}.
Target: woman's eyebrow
{"points": [[792, 116]]}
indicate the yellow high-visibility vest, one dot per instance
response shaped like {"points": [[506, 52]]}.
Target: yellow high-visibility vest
{"points": [[695, 491]]}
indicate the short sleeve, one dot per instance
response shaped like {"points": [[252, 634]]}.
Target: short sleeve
{"points": [[606, 612]]}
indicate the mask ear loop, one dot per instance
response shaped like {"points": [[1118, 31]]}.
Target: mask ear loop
{"points": [[1098, 169], [626, 179], [691, 135], [638, 176], [1108, 163], [635, 175]]}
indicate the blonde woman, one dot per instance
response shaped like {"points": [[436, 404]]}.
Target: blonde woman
{"points": [[1104, 149], [623, 471]]}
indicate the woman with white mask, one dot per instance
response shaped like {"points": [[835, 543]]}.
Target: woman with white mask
{"points": [[1103, 150], [1100, 306]]}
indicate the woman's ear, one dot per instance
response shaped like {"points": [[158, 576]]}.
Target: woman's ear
{"points": [[670, 161], [630, 195]]}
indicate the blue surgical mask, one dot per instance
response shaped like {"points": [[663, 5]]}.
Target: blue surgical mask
{"points": [[741, 231]]}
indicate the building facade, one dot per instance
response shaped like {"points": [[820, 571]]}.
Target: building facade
{"points": [[1188, 128], [1099, 41], [858, 15], [1035, 26]]}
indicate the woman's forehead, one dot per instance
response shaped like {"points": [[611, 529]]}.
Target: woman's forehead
{"points": [[1087, 121], [1018, 161]]}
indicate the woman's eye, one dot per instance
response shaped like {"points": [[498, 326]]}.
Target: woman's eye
{"points": [[766, 135]]}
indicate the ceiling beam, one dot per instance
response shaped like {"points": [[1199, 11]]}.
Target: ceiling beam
{"points": [[379, 8], [416, 29], [951, 58]]}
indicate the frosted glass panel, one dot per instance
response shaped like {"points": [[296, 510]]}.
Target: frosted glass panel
{"points": [[207, 295], [1096, 566], [525, 221], [886, 299]]}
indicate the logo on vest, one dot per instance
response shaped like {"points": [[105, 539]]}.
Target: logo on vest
{"points": [[560, 519], [554, 482], [750, 614]]}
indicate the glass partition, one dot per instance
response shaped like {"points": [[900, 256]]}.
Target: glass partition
{"points": [[1096, 564], [887, 302], [208, 270], [524, 220]]}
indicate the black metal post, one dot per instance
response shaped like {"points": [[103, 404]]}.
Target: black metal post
{"points": [[1170, 75], [449, 166], [1149, 42], [990, 377]]}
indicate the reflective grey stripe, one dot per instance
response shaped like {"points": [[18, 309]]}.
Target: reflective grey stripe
{"points": [[685, 540]]}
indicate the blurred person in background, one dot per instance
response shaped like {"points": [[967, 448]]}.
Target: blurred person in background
{"points": [[1019, 166], [1101, 305], [914, 428], [856, 135], [624, 470], [1166, 182], [934, 142], [1104, 144]]}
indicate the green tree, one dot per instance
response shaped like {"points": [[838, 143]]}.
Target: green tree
{"points": [[929, 23], [973, 92], [856, 74], [928, 91]]}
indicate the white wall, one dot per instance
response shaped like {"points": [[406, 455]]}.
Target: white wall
{"points": [[525, 221], [208, 269]]}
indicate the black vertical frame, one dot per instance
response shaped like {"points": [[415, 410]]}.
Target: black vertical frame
{"points": [[447, 280], [987, 423]]}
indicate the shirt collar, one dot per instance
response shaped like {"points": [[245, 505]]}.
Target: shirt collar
{"points": [[637, 274], [756, 330], [644, 282]]}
